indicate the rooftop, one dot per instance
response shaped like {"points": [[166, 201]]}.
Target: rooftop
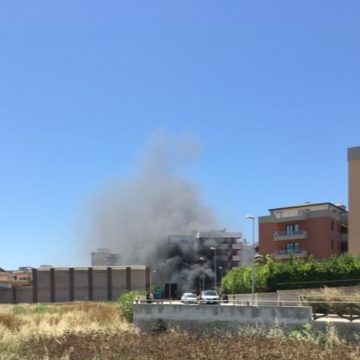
{"points": [[309, 205], [354, 153]]}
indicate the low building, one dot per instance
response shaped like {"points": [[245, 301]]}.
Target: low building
{"points": [[16, 278], [317, 229]]}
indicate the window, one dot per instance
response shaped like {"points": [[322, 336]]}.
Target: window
{"points": [[332, 225], [343, 247], [291, 229], [292, 247]]}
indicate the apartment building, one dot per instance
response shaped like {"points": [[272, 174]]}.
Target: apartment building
{"points": [[317, 229], [225, 246], [354, 200], [105, 257], [230, 252]]}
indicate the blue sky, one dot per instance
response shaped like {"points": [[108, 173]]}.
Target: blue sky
{"points": [[270, 90]]}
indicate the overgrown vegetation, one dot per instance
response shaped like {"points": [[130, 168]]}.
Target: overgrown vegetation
{"points": [[89, 331], [126, 302], [273, 275]]}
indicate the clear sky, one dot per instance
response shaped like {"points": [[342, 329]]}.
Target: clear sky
{"points": [[270, 89]]}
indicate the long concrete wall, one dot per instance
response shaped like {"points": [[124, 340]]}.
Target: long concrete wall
{"points": [[213, 318], [79, 284]]}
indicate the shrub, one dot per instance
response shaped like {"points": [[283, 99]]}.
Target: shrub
{"points": [[126, 302], [342, 270]]}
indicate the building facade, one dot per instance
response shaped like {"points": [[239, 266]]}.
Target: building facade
{"points": [[354, 200], [310, 229], [104, 257], [229, 250]]}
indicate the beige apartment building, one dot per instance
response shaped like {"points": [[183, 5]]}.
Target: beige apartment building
{"points": [[354, 200]]}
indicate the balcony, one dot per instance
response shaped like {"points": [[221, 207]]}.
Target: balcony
{"points": [[344, 238], [290, 235], [285, 254], [234, 246], [290, 215], [237, 246]]}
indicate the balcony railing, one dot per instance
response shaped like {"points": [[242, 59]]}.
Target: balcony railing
{"points": [[293, 215], [237, 246], [234, 246], [290, 235], [344, 237], [285, 254]]}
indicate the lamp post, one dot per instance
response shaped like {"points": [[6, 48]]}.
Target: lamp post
{"points": [[221, 271], [252, 218], [203, 274], [214, 248]]}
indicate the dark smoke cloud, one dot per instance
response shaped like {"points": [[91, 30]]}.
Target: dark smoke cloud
{"points": [[136, 217], [178, 262]]}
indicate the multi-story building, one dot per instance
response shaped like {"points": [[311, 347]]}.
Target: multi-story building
{"points": [[317, 229], [354, 200], [229, 250], [104, 257], [224, 245]]}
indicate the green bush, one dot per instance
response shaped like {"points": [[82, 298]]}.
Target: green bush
{"points": [[342, 270], [126, 302]]}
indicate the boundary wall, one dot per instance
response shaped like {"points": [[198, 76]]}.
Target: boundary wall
{"points": [[214, 318], [79, 284]]}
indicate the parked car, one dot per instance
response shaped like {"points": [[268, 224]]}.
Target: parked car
{"points": [[189, 298], [209, 297]]}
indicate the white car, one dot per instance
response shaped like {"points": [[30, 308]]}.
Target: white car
{"points": [[209, 297], [189, 298]]}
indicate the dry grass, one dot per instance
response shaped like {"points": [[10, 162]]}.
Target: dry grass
{"points": [[330, 293], [127, 345], [83, 331], [60, 318]]}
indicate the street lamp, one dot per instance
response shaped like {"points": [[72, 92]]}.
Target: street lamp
{"points": [[214, 248], [252, 218], [221, 271], [203, 274]]}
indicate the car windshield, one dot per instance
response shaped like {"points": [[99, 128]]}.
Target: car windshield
{"points": [[189, 295], [210, 292]]}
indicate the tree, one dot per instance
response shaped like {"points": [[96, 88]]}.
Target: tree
{"points": [[260, 259]]}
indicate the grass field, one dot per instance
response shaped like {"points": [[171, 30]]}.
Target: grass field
{"points": [[99, 331]]}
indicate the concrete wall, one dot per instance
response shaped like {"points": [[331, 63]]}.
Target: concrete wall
{"points": [[78, 284], [81, 284], [24, 294], [211, 318], [100, 285], [119, 283], [6, 295], [62, 280], [43, 285]]}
